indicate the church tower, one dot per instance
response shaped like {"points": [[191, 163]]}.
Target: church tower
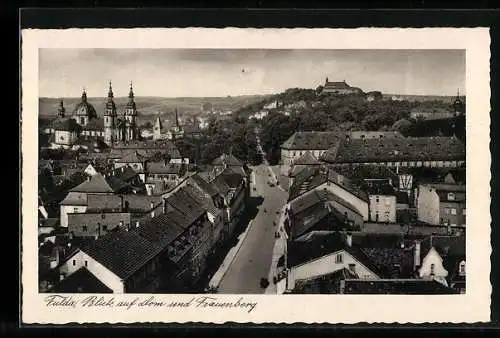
{"points": [[458, 105], [61, 111], [130, 115], [109, 118]]}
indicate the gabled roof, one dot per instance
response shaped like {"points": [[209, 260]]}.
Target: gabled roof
{"points": [[307, 159], [74, 198], [65, 124], [162, 229], [201, 198], [338, 84], [103, 202], [122, 252], [209, 188], [185, 204], [313, 177], [141, 203], [109, 219], [305, 251], [390, 262], [100, 184], [326, 284], [81, 281], [312, 140]]}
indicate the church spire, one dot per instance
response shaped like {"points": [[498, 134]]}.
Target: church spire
{"points": [[61, 110], [177, 124], [131, 93], [110, 91], [84, 95]]}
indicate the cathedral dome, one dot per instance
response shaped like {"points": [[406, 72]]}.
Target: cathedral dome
{"points": [[83, 108]]}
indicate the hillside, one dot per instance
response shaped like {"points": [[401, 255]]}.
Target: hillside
{"points": [[153, 105], [422, 98]]}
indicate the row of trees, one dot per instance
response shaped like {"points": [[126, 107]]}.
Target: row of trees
{"points": [[236, 136]]}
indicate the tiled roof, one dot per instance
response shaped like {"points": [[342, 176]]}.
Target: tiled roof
{"points": [[74, 198], [222, 185], [202, 198], [122, 252], [302, 252], [397, 149], [313, 177], [81, 281], [164, 168], [109, 219], [95, 184], [101, 202], [124, 173], [391, 262], [141, 203], [373, 134], [396, 286], [363, 172], [312, 140], [184, 203], [319, 216], [337, 85], [207, 187], [306, 159], [162, 229]]}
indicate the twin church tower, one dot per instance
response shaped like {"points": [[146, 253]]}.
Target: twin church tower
{"points": [[123, 128]]}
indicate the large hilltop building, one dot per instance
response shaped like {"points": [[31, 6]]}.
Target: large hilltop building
{"points": [[340, 88], [84, 123]]}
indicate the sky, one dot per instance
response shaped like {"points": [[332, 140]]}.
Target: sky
{"points": [[223, 72]]}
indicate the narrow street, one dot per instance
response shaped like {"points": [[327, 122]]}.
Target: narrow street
{"points": [[253, 260]]}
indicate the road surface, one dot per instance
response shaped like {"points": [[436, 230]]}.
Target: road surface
{"points": [[253, 260]]}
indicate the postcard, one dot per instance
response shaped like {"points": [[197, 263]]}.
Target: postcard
{"points": [[255, 175]]}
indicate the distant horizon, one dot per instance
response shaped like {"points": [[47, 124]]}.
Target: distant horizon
{"points": [[178, 73]]}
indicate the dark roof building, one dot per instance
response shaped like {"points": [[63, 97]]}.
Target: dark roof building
{"points": [[396, 150], [312, 140], [122, 252], [81, 281]]}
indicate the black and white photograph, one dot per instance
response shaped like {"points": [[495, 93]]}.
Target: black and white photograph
{"points": [[252, 171]]}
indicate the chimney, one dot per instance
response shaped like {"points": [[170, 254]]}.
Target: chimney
{"points": [[348, 239], [123, 169], [416, 257], [88, 178], [137, 224]]}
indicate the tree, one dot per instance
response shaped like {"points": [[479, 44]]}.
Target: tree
{"points": [[402, 125]]}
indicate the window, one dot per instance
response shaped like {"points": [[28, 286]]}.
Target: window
{"points": [[75, 210], [461, 268], [86, 263], [451, 196], [387, 201], [61, 138], [338, 259], [84, 228], [432, 269], [453, 211], [74, 262], [377, 199], [463, 212]]}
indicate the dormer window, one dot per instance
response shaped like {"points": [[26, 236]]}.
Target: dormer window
{"points": [[433, 266], [451, 196]]}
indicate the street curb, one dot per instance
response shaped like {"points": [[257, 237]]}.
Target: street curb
{"points": [[242, 238]]}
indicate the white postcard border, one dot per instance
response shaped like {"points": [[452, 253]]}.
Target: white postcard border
{"points": [[474, 306]]}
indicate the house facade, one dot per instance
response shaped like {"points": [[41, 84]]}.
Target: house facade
{"points": [[442, 204]]}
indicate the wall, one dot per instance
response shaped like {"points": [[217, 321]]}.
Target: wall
{"points": [[385, 208], [428, 205], [432, 257], [70, 209], [351, 215], [445, 211], [64, 137], [107, 277], [358, 203], [325, 265]]}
